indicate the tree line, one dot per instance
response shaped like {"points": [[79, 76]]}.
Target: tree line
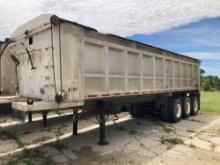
{"points": [[209, 83]]}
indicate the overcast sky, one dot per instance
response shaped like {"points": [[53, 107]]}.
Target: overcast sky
{"points": [[149, 21]]}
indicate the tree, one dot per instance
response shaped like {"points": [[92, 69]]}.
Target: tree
{"points": [[209, 82], [206, 84], [202, 71]]}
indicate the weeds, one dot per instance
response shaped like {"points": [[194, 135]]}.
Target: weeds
{"points": [[41, 139], [27, 132], [195, 120], [132, 132], [190, 130], [59, 145], [169, 147], [60, 131], [192, 146], [135, 162], [10, 134], [29, 157], [172, 141], [212, 146], [167, 129]]}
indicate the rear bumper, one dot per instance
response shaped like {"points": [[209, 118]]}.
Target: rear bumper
{"points": [[44, 106]]}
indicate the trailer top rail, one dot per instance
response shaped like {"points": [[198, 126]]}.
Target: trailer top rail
{"points": [[45, 19]]}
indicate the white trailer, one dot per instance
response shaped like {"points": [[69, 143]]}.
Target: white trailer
{"points": [[63, 64], [8, 80]]}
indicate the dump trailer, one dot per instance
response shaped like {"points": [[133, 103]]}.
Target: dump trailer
{"points": [[8, 80], [63, 64]]}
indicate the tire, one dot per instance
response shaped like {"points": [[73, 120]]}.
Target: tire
{"points": [[132, 111], [186, 107], [175, 110], [163, 112], [194, 106], [136, 111]]}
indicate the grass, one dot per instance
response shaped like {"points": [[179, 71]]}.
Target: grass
{"points": [[172, 141], [59, 145], [10, 134], [210, 102], [29, 157]]}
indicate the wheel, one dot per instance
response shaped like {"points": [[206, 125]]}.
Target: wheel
{"points": [[163, 112], [194, 105], [175, 110], [137, 111], [186, 107], [132, 112]]}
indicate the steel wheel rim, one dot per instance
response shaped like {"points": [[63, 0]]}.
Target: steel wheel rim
{"points": [[178, 110], [195, 105], [188, 107]]}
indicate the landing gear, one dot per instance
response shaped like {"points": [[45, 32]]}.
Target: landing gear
{"points": [[102, 116], [75, 122], [44, 115], [102, 136], [30, 117]]}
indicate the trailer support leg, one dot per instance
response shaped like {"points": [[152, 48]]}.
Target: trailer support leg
{"points": [[102, 137], [75, 122], [45, 118], [30, 117]]}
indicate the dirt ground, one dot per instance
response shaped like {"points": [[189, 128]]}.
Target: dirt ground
{"points": [[149, 140]]}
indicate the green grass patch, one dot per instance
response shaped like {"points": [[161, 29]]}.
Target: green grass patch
{"points": [[210, 101], [59, 145], [10, 134], [172, 141], [29, 157]]}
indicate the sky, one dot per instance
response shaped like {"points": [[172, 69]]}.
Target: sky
{"points": [[199, 40], [183, 26]]}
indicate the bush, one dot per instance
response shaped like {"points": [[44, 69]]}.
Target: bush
{"points": [[206, 85]]}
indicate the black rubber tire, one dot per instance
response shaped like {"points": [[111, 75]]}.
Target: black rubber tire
{"points": [[132, 111], [186, 104], [194, 105], [172, 110], [164, 112], [137, 111]]}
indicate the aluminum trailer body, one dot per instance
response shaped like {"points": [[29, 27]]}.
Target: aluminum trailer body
{"points": [[67, 65], [8, 80], [91, 65]]}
